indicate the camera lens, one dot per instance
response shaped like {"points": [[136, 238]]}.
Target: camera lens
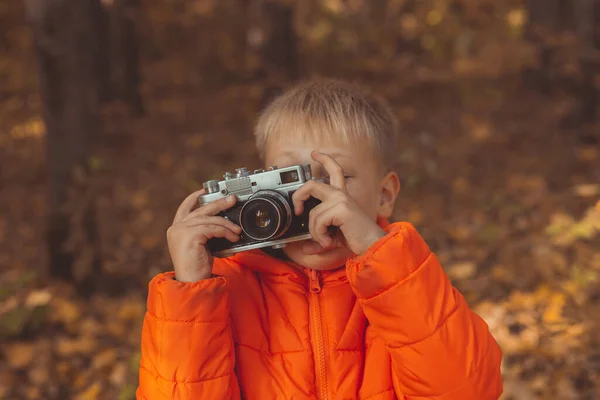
{"points": [[266, 215], [262, 218]]}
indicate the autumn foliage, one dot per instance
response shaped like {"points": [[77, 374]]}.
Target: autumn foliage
{"points": [[499, 167]]}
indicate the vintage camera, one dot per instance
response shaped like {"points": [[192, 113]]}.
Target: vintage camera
{"points": [[264, 209]]}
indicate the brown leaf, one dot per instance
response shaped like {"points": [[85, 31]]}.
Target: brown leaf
{"points": [[38, 298], [463, 270], [65, 311], [587, 190], [19, 355], [119, 374], [91, 393], [70, 347], [104, 358]]}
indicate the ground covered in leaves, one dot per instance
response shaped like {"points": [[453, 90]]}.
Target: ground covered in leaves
{"points": [[506, 198]]}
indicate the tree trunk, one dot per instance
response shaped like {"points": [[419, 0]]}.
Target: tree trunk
{"points": [[125, 54], [64, 40], [542, 24], [588, 28], [280, 49]]}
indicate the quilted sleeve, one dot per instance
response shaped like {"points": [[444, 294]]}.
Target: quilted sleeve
{"points": [[440, 348], [187, 348]]}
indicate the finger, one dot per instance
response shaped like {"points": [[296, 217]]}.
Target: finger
{"points": [[326, 223], [211, 231], [187, 205], [311, 247], [312, 188], [195, 219], [335, 170], [319, 220], [215, 207]]}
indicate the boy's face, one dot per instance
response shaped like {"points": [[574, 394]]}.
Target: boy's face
{"points": [[365, 182]]}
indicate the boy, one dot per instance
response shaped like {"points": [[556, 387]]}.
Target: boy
{"points": [[366, 314]]}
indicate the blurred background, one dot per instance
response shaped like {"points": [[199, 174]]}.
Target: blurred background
{"points": [[112, 111]]}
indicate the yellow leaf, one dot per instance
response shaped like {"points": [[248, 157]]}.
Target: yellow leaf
{"points": [[587, 190], [462, 270], [516, 18], [553, 313], [522, 300], [65, 311], [542, 293], [559, 223], [91, 393], [19, 355], [38, 298], [434, 17], [584, 229]]}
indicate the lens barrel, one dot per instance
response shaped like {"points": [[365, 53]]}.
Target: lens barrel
{"points": [[265, 216]]}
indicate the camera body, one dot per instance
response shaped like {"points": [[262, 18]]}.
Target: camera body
{"points": [[264, 208]]}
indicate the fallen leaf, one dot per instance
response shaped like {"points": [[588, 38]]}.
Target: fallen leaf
{"points": [[119, 374], [587, 190], [39, 374], [586, 153], [91, 393], [65, 311], [462, 270], [19, 355], [131, 310], [69, 347], [553, 313], [104, 358], [38, 298], [127, 392]]}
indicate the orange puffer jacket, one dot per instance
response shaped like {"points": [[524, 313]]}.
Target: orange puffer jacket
{"points": [[388, 326]]}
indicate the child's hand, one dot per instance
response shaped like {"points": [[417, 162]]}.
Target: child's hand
{"points": [[337, 209], [190, 232]]}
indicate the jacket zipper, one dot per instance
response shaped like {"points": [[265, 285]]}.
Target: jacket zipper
{"points": [[318, 337]]}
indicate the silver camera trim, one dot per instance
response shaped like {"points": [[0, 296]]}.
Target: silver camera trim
{"points": [[274, 243], [245, 184]]}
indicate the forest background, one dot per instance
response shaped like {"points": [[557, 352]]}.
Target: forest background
{"points": [[112, 111]]}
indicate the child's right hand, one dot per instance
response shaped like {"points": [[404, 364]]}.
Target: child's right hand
{"points": [[191, 230]]}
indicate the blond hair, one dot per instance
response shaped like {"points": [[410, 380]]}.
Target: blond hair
{"points": [[328, 108]]}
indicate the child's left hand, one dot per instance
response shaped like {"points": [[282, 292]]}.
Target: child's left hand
{"points": [[357, 231]]}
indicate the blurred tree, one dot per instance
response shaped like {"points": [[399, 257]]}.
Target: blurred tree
{"points": [[124, 54], [549, 22], [280, 48], [66, 40], [587, 18], [541, 27]]}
